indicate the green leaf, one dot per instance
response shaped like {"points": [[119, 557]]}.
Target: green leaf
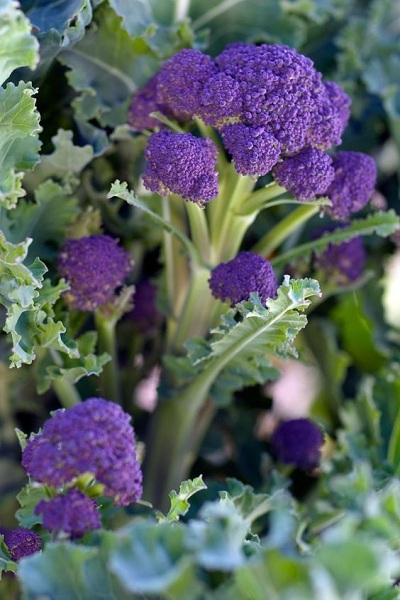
{"points": [[248, 503], [106, 67], [357, 332], [57, 572], [151, 557], [274, 575], [180, 500], [6, 564], [28, 301], [28, 498], [18, 47], [120, 190], [244, 20], [64, 163], [72, 368], [44, 221], [19, 141], [379, 223], [218, 538]]}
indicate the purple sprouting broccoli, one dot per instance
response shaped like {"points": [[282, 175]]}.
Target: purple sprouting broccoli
{"points": [[331, 118], [353, 184], [236, 279], [144, 313], [267, 100], [306, 175], [94, 267], [73, 513], [180, 163], [21, 542], [298, 442], [254, 150], [343, 262], [92, 437], [181, 81]]}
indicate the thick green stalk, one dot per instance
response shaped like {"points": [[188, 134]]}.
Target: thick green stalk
{"points": [[109, 384], [272, 240], [199, 229], [194, 320]]}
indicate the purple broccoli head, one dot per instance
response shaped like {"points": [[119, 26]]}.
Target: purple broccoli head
{"points": [[94, 267], [298, 442], [22, 542], [180, 163], [92, 437], [236, 279], [306, 175], [181, 81], [254, 150], [281, 90], [73, 513], [342, 262], [353, 184]]}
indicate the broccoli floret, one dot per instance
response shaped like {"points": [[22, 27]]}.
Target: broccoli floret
{"points": [[306, 174], [254, 149], [298, 442]]}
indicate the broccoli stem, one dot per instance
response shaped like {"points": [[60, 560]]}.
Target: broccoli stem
{"points": [[282, 230], [109, 384], [199, 229]]}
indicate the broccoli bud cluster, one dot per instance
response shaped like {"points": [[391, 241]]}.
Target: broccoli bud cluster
{"points": [[96, 438], [273, 112]]}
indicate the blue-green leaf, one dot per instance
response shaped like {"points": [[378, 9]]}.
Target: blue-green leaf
{"points": [[19, 140], [18, 47]]}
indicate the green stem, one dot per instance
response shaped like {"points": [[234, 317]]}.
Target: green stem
{"points": [[260, 198], [169, 262], [194, 320], [199, 229], [227, 228], [66, 392], [269, 242], [109, 383]]}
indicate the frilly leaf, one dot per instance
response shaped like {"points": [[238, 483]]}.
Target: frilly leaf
{"points": [[18, 47], [72, 368], [19, 141], [179, 500], [239, 350], [28, 301]]}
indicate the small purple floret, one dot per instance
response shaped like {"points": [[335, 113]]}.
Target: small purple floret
{"points": [[236, 279], [306, 175], [94, 267], [353, 184], [331, 117], [343, 262], [22, 542], [92, 437], [73, 513], [298, 442], [221, 100], [180, 163], [181, 81], [144, 103], [254, 150], [145, 314]]}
